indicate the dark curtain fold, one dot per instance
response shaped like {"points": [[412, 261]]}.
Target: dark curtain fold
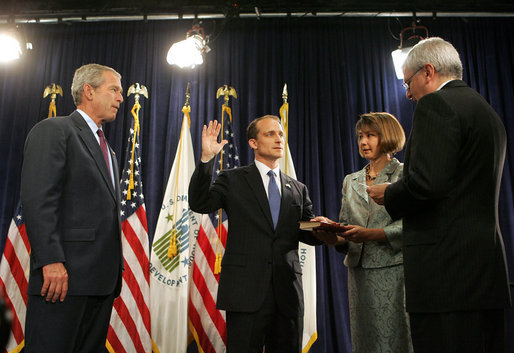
{"points": [[335, 69]]}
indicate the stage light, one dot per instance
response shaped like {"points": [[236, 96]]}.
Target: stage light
{"points": [[11, 45], [399, 55], [10, 48], [189, 52]]}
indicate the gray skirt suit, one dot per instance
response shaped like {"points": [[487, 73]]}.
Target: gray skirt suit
{"points": [[378, 321]]}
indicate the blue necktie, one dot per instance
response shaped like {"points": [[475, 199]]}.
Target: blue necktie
{"points": [[273, 198]]}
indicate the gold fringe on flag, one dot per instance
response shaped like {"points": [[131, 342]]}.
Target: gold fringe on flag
{"points": [[137, 90]]}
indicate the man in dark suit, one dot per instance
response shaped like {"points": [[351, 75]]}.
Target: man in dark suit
{"points": [[455, 270], [71, 204], [260, 283]]}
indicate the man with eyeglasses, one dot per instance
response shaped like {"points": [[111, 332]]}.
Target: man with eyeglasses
{"points": [[456, 277]]}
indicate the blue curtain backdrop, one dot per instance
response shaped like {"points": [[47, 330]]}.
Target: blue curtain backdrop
{"points": [[335, 69]]}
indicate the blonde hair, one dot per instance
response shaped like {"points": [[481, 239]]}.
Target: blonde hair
{"points": [[390, 132]]}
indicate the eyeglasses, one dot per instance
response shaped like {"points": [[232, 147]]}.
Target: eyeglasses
{"points": [[406, 83]]}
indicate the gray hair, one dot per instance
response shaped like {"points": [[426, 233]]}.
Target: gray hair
{"points": [[437, 52], [90, 73]]}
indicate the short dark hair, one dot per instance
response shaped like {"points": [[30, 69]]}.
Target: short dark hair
{"points": [[388, 128], [252, 131]]}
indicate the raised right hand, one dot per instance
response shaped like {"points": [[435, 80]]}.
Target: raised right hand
{"points": [[210, 145]]}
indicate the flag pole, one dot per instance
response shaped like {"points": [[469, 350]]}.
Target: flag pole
{"points": [[226, 92], [284, 116], [137, 90], [173, 247]]}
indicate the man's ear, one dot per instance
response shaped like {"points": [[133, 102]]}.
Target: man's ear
{"points": [[88, 91], [429, 70], [253, 143]]}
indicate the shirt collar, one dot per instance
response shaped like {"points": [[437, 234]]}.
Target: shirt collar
{"points": [[264, 169], [90, 122], [443, 84]]}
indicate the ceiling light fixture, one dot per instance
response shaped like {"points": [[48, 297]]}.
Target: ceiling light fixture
{"points": [[11, 45], [399, 55], [189, 52]]}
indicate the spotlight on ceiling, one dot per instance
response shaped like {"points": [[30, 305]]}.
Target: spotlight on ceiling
{"points": [[189, 52], [11, 45], [399, 55]]}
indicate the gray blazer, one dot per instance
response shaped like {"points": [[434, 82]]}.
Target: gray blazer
{"points": [[357, 208]]}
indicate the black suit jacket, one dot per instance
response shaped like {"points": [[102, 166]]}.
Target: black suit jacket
{"points": [[71, 207], [256, 256], [453, 252]]}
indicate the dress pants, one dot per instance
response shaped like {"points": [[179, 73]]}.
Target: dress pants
{"points": [[267, 327], [77, 325], [482, 331]]}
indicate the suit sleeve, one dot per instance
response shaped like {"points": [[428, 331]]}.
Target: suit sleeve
{"points": [[307, 214], [342, 215], [42, 177], [433, 155], [204, 197]]}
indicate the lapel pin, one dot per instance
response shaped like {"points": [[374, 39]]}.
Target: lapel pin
{"points": [[288, 186]]}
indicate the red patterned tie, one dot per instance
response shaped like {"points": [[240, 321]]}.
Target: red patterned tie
{"points": [[103, 146]]}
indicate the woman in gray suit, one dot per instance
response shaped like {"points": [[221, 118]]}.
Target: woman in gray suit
{"points": [[378, 320]]}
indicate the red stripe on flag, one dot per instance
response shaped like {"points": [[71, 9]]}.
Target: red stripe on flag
{"points": [[207, 298], [137, 248], [17, 270], [204, 243], [205, 343], [24, 237], [124, 314], [114, 341], [16, 328], [141, 214], [138, 296]]}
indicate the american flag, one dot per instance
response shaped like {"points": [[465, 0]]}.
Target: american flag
{"points": [[14, 274], [129, 329], [206, 322]]}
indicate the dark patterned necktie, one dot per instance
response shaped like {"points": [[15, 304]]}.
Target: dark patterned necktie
{"points": [[103, 146], [273, 198]]}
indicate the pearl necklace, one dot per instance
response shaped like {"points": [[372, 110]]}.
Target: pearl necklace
{"points": [[369, 176]]}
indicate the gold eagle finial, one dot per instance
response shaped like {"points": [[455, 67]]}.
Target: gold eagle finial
{"points": [[226, 92], [137, 90]]}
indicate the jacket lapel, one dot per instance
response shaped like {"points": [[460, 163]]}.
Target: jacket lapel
{"points": [[385, 174], [287, 196], [254, 180], [359, 184], [94, 149]]}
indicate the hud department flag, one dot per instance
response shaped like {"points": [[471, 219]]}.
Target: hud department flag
{"points": [[170, 259]]}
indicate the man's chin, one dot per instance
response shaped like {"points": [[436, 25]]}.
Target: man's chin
{"points": [[109, 119]]}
